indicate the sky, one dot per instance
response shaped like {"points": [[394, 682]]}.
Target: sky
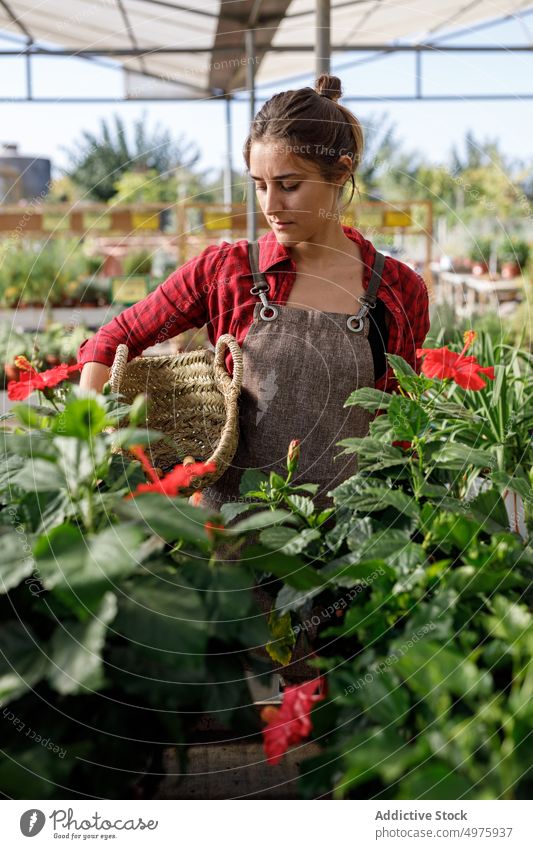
{"points": [[430, 127]]}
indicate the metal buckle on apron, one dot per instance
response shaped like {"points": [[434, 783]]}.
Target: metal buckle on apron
{"points": [[268, 312], [356, 322]]}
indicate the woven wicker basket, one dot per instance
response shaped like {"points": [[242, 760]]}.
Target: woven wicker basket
{"points": [[192, 399]]}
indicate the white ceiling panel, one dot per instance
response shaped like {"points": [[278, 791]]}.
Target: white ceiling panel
{"points": [[101, 24]]}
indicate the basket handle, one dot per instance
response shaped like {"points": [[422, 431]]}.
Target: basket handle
{"points": [[118, 367], [225, 383]]}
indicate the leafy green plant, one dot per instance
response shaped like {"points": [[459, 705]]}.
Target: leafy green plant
{"points": [[117, 618], [515, 251], [61, 341], [480, 250], [14, 343], [138, 263], [123, 622], [40, 273]]}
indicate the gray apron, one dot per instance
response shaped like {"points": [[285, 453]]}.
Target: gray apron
{"points": [[299, 367]]}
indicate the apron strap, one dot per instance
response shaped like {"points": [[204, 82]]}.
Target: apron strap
{"points": [[253, 256], [369, 297], [268, 312]]}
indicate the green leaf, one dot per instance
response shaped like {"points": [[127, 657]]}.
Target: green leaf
{"points": [[166, 623], [78, 460], [516, 484], [262, 519], [16, 562], [233, 509], [129, 436], [350, 571], [368, 498], [455, 455], [290, 598], [40, 475], [372, 454], [369, 399], [435, 781], [384, 698], [170, 518], [76, 651], [276, 481], [37, 772], [28, 415], [231, 609], [290, 569], [32, 444], [408, 418], [511, 622], [80, 569], [277, 536], [372, 753], [252, 480], [82, 418], [22, 662], [435, 673], [312, 488], [286, 540], [400, 366], [302, 505], [283, 638], [488, 508]]}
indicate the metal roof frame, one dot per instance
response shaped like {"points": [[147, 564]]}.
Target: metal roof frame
{"points": [[252, 30]]}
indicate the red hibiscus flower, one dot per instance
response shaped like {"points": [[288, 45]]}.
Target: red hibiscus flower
{"points": [[402, 443], [290, 723], [30, 379], [466, 371], [179, 478]]}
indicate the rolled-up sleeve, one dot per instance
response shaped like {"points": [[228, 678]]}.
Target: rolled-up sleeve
{"points": [[177, 304]]}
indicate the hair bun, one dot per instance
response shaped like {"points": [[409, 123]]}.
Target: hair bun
{"points": [[328, 86]]}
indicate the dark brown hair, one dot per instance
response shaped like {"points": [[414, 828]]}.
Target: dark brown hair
{"points": [[314, 126]]}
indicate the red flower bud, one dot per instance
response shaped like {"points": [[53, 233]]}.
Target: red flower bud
{"points": [[293, 455]]}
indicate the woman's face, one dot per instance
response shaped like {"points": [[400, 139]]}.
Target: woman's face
{"points": [[292, 192]]}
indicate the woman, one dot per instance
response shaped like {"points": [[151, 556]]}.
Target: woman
{"points": [[324, 309]]}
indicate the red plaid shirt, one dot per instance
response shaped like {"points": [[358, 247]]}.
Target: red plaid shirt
{"points": [[213, 289]]}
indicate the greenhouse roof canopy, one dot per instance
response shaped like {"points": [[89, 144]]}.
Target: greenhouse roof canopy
{"points": [[169, 50]]}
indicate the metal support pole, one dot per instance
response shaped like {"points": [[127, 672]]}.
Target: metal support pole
{"points": [[228, 168], [251, 221], [323, 32], [29, 82], [418, 75]]}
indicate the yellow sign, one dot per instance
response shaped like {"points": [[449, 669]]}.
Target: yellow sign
{"points": [[216, 220], [129, 290], [397, 218], [145, 220], [53, 221], [369, 218], [96, 221]]}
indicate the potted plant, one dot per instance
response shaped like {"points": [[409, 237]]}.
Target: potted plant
{"points": [[138, 263], [91, 288], [14, 343], [480, 255], [513, 254]]}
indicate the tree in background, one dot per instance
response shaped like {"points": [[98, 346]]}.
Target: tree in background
{"points": [[380, 154], [98, 160]]}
